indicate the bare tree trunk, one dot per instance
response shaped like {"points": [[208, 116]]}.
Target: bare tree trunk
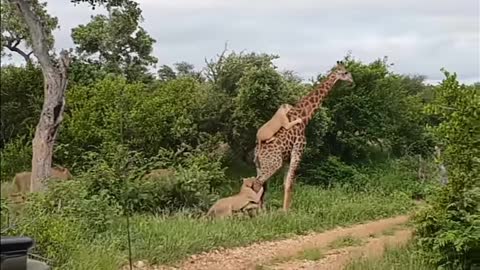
{"points": [[55, 84], [47, 127]]}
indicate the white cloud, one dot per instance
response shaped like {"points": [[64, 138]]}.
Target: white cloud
{"points": [[418, 36]]}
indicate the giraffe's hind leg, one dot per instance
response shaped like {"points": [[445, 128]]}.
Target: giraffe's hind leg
{"points": [[295, 158], [270, 164]]}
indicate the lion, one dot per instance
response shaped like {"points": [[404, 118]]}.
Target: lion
{"points": [[246, 199], [21, 181], [279, 120]]}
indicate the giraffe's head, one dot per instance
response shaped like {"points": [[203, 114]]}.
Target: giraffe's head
{"points": [[341, 73]]}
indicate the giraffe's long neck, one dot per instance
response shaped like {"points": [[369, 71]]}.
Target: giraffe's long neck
{"points": [[309, 104]]}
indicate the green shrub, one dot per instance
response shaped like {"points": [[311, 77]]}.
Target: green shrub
{"points": [[328, 172], [15, 157], [71, 199], [395, 175], [448, 229], [56, 236], [382, 113], [385, 178], [119, 173], [261, 90], [21, 101], [145, 118], [188, 189], [63, 217], [193, 186]]}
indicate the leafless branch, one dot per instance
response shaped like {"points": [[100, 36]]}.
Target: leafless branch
{"points": [[213, 67], [12, 45]]}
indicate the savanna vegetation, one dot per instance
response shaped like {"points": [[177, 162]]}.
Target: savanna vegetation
{"points": [[122, 120], [395, 258]]}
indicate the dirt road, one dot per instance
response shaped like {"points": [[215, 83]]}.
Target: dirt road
{"points": [[330, 250]]}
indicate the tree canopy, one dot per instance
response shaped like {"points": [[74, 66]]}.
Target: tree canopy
{"points": [[117, 41], [15, 34]]}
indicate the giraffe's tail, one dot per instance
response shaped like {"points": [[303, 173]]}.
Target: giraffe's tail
{"points": [[255, 156]]}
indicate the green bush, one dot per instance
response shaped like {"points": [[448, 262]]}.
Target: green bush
{"points": [[188, 189], [72, 199], [118, 172], [384, 178], [63, 217], [21, 101], [382, 113], [448, 229], [145, 119], [394, 176], [15, 157], [328, 172]]}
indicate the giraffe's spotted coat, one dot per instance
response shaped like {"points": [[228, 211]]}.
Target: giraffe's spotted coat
{"points": [[289, 144]]}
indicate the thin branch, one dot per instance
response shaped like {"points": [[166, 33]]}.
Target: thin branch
{"points": [[14, 48], [16, 43], [212, 68]]}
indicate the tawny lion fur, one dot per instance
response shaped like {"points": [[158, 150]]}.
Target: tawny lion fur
{"points": [[246, 199], [279, 120], [21, 181]]}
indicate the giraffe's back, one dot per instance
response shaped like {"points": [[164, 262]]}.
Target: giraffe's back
{"points": [[285, 139]]}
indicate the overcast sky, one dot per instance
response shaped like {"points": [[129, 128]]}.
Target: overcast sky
{"points": [[418, 36]]}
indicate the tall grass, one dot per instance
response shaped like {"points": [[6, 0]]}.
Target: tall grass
{"points": [[166, 239]]}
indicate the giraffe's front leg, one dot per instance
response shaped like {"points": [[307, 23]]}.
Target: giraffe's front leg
{"points": [[295, 158]]}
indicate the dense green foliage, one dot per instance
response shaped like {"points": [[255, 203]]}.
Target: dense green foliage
{"points": [[187, 110], [121, 122], [122, 46], [449, 228], [382, 113], [21, 101], [98, 238]]}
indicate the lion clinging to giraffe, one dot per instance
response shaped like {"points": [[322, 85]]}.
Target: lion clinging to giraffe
{"points": [[290, 143], [285, 141]]}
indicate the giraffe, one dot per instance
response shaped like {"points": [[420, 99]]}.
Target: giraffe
{"points": [[291, 143]]}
